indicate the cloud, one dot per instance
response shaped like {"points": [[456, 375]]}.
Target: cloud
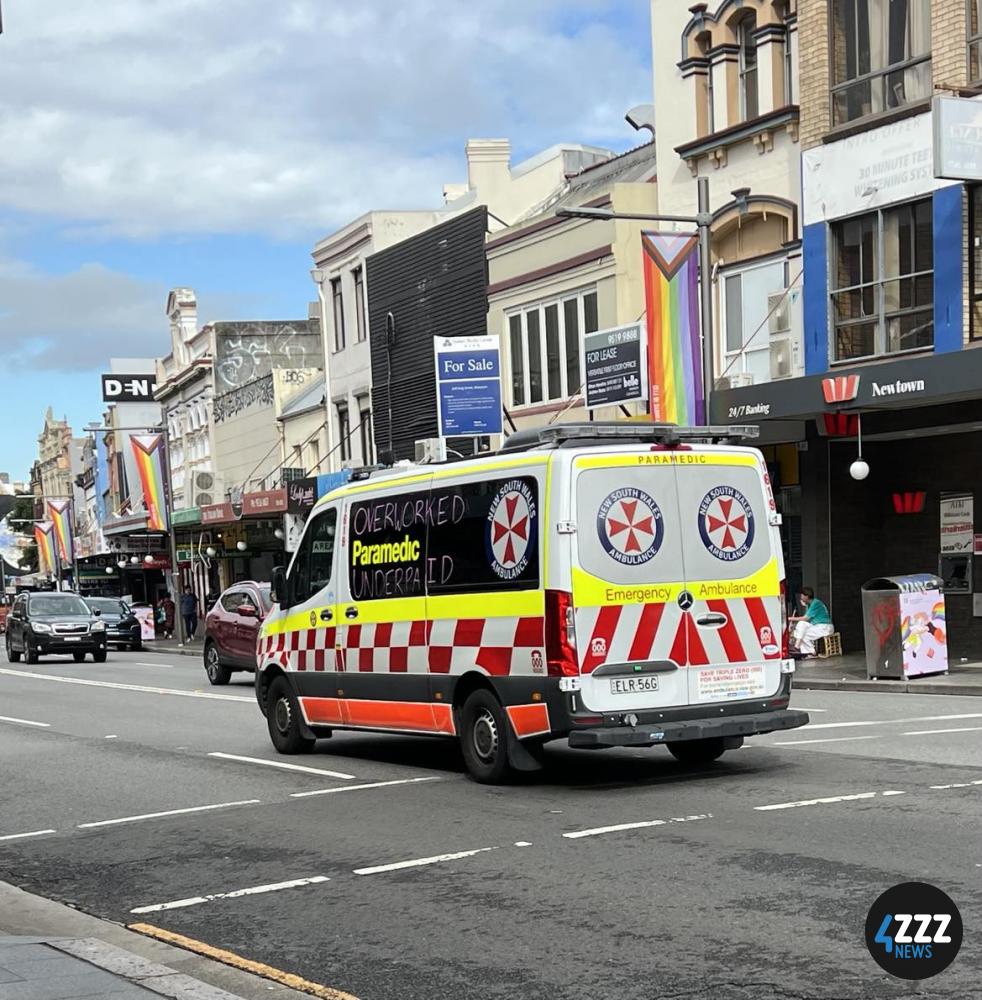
{"points": [[189, 116]]}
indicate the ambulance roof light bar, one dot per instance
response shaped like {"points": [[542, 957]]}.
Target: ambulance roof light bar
{"points": [[660, 433]]}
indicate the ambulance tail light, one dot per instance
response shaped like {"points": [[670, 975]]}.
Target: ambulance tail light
{"points": [[785, 644], [560, 635]]}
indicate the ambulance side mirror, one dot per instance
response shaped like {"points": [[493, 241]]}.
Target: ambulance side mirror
{"points": [[278, 587]]}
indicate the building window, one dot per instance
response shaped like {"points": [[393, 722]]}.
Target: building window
{"points": [[544, 348], [975, 40], [881, 56], [750, 106], [337, 298], [746, 336], [883, 282], [975, 269], [315, 456], [790, 89], [358, 274], [365, 429], [344, 432]]}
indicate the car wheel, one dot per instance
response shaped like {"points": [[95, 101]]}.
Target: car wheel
{"points": [[283, 719], [137, 647], [483, 738], [30, 653], [78, 657], [100, 655], [217, 673], [12, 654], [697, 751]]}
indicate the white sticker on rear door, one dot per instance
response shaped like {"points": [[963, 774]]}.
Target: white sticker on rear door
{"points": [[731, 683]]}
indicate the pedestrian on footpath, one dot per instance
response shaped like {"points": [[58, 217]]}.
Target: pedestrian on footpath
{"points": [[815, 623], [189, 611], [166, 611]]}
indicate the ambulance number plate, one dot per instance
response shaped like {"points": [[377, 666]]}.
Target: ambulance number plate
{"points": [[633, 685]]}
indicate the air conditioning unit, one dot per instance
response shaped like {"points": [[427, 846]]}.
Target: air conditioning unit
{"points": [[204, 489], [785, 327], [739, 380], [431, 450]]}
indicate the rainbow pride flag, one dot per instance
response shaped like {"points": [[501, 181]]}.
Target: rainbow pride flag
{"points": [[149, 452], [671, 291], [60, 512], [44, 536]]}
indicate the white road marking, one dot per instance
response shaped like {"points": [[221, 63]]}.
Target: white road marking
{"points": [[111, 737], [166, 666], [522, 843], [891, 722], [282, 764], [830, 739], [617, 828], [956, 784], [20, 836], [356, 788], [933, 732], [87, 682], [884, 794], [255, 890], [420, 862], [25, 722], [829, 800], [169, 812]]}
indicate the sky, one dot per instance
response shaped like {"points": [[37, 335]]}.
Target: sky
{"points": [[150, 144]]}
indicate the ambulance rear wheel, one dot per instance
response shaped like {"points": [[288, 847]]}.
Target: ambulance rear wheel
{"points": [[483, 736], [283, 718], [697, 751]]}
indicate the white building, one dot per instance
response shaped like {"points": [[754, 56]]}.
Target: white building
{"points": [[509, 192]]}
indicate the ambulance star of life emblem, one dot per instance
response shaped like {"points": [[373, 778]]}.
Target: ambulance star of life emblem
{"points": [[630, 526], [726, 523], [511, 529]]}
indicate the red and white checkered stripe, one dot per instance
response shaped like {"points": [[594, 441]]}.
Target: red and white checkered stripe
{"points": [[636, 632], [304, 649]]}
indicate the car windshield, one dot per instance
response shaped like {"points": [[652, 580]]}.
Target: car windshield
{"points": [[58, 604], [106, 605]]}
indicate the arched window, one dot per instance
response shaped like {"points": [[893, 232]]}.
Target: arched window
{"points": [[749, 104]]}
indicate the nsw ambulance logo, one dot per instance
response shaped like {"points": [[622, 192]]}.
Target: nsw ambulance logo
{"points": [[630, 526], [511, 529], [726, 523]]}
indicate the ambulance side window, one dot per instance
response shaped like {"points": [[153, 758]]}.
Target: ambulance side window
{"points": [[312, 568]]}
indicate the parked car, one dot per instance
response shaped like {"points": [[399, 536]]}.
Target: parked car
{"points": [[43, 624], [122, 628], [232, 630]]}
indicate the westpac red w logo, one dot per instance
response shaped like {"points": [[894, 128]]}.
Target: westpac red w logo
{"points": [[840, 389]]}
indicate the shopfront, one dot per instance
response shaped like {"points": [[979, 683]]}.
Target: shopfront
{"points": [[247, 537]]}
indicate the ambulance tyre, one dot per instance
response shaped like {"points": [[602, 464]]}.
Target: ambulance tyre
{"points": [[483, 732], [697, 751], [283, 718]]}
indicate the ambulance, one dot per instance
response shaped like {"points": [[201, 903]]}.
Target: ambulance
{"points": [[613, 585]]}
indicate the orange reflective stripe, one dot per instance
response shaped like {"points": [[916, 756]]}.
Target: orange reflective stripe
{"points": [[529, 720], [322, 711]]}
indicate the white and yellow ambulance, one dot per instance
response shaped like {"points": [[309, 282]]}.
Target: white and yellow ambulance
{"points": [[611, 584]]}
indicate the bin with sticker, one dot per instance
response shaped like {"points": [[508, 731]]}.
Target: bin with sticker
{"points": [[905, 626]]}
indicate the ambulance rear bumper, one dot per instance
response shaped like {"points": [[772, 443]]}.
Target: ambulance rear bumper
{"points": [[690, 729]]}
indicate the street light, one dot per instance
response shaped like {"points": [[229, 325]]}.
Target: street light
{"points": [[702, 220]]}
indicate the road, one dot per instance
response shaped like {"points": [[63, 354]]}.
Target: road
{"points": [[135, 792]]}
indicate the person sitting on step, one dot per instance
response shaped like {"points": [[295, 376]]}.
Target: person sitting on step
{"points": [[814, 623]]}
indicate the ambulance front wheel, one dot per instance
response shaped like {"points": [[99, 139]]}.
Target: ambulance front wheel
{"points": [[483, 736], [283, 718], [697, 751]]}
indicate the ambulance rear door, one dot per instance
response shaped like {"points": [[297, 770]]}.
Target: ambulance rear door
{"points": [[627, 573], [734, 569]]}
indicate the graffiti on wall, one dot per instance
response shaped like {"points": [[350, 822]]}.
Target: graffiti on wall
{"points": [[259, 392], [245, 352]]}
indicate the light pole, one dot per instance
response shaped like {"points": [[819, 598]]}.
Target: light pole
{"points": [[703, 221]]}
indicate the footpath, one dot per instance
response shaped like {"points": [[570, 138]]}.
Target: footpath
{"points": [[51, 952]]}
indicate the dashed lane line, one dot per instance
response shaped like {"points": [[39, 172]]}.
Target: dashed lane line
{"points": [[935, 732], [828, 739], [25, 722], [21, 836], [893, 722], [644, 824], [118, 686], [825, 801], [955, 784], [256, 890], [358, 788], [421, 862], [169, 812], [282, 764]]}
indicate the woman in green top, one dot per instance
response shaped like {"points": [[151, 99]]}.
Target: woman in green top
{"points": [[813, 624]]}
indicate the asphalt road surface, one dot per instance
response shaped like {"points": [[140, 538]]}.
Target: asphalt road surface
{"points": [[136, 792]]}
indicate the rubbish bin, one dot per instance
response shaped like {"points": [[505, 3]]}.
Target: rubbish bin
{"points": [[904, 625]]}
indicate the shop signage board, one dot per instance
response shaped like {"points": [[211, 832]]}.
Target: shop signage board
{"points": [[468, 385], [128, 388], [218, 513], [187, 515], [957, 523], [613, 365], [957, 138], [301, 495], [267, 502]]}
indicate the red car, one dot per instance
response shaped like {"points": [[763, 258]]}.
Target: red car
{"points": [[232, 628]]}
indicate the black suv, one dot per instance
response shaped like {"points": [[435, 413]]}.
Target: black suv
{"points": [[123, 629], [42, 624]]}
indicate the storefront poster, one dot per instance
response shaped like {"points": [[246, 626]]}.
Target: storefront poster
{"points": [[957, 523], [144, 615], [924, 633]]}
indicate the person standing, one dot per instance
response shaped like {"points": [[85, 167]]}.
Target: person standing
{"points": [[167, 614], [815, 623], [189, 612]]}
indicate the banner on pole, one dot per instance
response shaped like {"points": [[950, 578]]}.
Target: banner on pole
{"points": [[44, 536], [149, 452], [60, 512], [671, 288]]}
